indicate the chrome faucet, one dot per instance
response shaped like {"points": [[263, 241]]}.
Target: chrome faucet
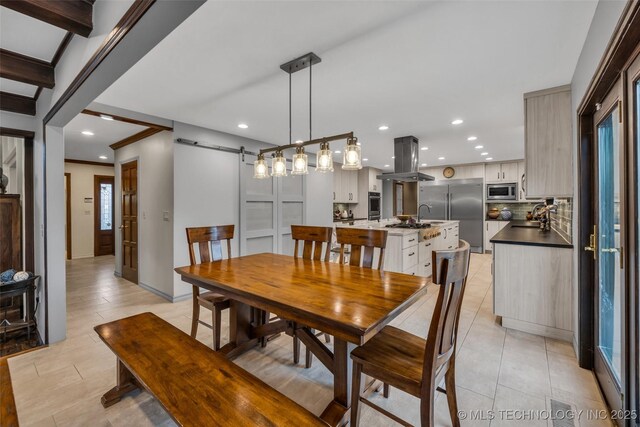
{"points": [[420, 207], [542, 211]]}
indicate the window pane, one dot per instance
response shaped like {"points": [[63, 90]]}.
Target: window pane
{"points": [[106, 208]]}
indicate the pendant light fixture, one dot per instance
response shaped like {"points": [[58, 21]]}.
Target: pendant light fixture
{"points": [[278, 164], [352, 157], [324, 158], [260, 168]]}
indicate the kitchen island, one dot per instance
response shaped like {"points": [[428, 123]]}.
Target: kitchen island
{"points": [[409, 250], [532, 279]]}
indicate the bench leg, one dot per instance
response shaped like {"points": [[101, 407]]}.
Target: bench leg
{"points": [[126, 383]]}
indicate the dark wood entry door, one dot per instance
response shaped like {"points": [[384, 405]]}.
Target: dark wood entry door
{"points": [[103, 197], [129, 226]]}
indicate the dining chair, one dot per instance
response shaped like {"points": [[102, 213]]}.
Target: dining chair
{"points": [[410, 363], [316, 245], [363, 244], [209, 241]]}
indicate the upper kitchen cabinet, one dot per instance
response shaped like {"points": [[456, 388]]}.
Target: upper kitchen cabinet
{"points": [[459, 172], [548, 154], [345, 185], [501, 172]]}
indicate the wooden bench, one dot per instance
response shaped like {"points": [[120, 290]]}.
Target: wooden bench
{"points": [[195, 385]]}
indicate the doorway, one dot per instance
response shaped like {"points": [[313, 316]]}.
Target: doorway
{"points": [[129, 226], [104, 235], [67, 222]]}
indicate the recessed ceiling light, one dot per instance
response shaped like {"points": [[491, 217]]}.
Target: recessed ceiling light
{"points": [[386, 166], [457, 122], [243, 125], [424, 164], [489, 158], [424, 148], [87, 132], [299, 141], [337, 151], [440, 158], [383, 127], [484, 154], [102, 157], [106, 117], [472, 138], [365, 160], [478, 147]]}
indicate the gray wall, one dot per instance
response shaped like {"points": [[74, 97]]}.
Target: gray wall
{"points": [[604, 21]]}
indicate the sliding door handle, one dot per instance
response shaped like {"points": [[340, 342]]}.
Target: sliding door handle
{"points": [[593, 246]]}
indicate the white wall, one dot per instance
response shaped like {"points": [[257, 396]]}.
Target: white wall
{"points": [[82, 214], [155, 198], [604, 22], [207, 190]]}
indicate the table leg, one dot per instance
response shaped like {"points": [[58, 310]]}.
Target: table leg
{"points": [[240, 335], [337, 413], [125, 383]]}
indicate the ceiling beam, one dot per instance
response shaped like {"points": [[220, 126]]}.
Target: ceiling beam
{"points": [[17, 103], [71, 15], [126, 120], [135, 138], [25, 69]]}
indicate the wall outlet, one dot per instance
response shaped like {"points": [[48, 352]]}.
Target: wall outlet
{"points": [[165, 215]]}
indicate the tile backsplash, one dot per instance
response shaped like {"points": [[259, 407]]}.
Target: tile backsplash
{"points": [[562, 222]]}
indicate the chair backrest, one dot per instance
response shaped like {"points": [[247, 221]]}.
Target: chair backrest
{"points": [[314, 240], [450, 270], [209, 241], [363, 243]]}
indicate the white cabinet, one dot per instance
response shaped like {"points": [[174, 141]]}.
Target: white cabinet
{"points": [[345, 186], [425, 251], [501, 172], [449, 237], [491, 228], [460, 172], [374, 184], [522, 195], [547, 143]]}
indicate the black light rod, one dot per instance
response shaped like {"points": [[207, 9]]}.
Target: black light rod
{"points": [[311, 142]]}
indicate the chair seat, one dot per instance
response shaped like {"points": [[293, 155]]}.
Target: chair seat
{"points": [[211, 298], [395, 357]]}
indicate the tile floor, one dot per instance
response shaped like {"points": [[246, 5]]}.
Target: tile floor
{"points": [[497, 369]]}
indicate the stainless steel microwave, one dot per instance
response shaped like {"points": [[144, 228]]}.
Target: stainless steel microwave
{"points": [[506, 191]]}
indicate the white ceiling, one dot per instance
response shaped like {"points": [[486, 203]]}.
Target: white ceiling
{"points": [[81, 147], [413, 66], [28, 36]]}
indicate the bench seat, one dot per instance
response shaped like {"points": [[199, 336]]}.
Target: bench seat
{"points": [[196, 385]]}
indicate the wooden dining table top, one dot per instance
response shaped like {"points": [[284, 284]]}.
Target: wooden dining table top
{"points": [[346, 301]]}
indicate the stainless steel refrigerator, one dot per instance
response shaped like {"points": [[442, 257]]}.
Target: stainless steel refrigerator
{"points": [[459, 200]]}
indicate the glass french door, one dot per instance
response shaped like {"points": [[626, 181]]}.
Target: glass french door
{"points": [[607, 243]]}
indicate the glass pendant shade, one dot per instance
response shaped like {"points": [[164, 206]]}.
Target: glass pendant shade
{"points": [[279, 165], [351, 157], [324, 158], [299, 162], [260, 168]]}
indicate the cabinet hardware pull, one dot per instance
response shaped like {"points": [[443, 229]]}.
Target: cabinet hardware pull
{"points": [[412, 240], [412, 254]]}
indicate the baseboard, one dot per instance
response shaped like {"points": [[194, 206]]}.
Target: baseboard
{"points": [[182, 297], [82, 257], [117, 274], [533, 328], [156, 291]]}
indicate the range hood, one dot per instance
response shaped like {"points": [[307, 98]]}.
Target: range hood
{"points": [[406, 150]]}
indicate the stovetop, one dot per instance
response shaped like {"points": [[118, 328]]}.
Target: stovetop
{"points": [[407, 225]]}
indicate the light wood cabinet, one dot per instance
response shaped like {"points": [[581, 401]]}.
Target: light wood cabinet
{"points": [[501, 172], [532, 289], [345, 186], [548, 151], [461, 172], [491, 228]]}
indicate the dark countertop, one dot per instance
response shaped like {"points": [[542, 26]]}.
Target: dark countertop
{"points": [[511, 235], [348, 219]]}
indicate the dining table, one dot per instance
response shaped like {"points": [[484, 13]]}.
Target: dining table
{"points": [[348, 302]]}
